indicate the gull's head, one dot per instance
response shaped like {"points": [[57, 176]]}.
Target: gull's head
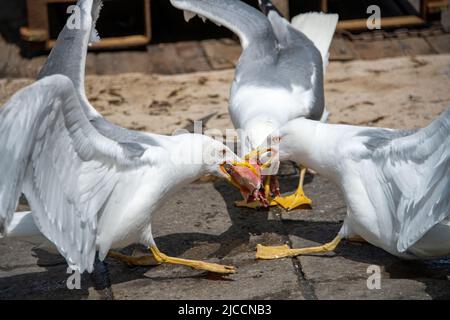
{"points": [[293, 141], [222, 162], [256, 132]]}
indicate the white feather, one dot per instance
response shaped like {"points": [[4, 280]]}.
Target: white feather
{"points": [[319, 28], [396, 184]]}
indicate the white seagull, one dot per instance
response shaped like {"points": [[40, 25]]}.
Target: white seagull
{"points": [[396, 183], [279, 76], [93, 186]]}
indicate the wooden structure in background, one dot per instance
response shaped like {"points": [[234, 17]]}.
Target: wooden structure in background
{"points": [[433, 6], [282, 6], [38, 30], [426, 7]]}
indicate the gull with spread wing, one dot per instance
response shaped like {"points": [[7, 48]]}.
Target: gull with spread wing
{"points": [[92, 186], [279, 76]]}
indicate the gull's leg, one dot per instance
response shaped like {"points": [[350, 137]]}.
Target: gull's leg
{"points": [[138, 260], [298, 199], [277, 252], [157, 258], [100, 279], [199, 265], [257, 204], [268, 191]]}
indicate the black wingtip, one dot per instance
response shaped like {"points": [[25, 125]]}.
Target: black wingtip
{"points": [[267, 6]]}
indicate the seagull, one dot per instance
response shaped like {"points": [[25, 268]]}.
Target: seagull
{"points": [[279, 76], [396, 183], [93, 186]]}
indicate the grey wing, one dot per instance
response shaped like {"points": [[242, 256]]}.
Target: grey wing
{"points": [[416, 167], [252, 27], [68, 56], [66, 168], [69, 53], [287, 36]]}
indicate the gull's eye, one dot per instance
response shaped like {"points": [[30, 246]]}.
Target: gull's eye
{"points": [[223, 153]]}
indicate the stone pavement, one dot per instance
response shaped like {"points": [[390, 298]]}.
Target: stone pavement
{"points": [[202, 223]]}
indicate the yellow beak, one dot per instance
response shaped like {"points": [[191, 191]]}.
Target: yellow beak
{"points": [[257, 153]]}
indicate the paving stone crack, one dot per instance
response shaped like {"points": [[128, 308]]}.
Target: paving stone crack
{"points": [[306, 286]]}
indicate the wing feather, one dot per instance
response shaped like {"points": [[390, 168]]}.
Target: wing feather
{"points": [[252, 27], [64, 166], [416, 167]]}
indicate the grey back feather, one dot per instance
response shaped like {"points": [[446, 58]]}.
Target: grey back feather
{"points": [[381, 137]]}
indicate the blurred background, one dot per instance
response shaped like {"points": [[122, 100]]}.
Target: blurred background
{"points": [[30, 27], [396, 76], [157, 21]]}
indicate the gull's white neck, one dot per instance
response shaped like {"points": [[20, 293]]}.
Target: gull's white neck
{"points": [[313, 145], [186, 158]]}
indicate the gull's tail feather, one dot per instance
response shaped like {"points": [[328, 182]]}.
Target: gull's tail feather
{"points": [[266, 6], [319, 28]]}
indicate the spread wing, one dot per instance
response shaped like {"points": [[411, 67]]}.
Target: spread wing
{"points": [[415, 169], [66, 168], [252, 27], [68, 56]]}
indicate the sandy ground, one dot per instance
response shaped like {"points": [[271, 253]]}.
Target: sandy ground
{"points": [[406, 92]]}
